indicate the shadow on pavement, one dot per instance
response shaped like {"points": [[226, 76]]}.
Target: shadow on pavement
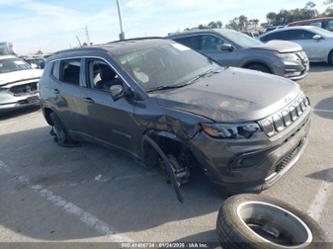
{"points": [[324, 108], [323, 175], [19, 112], [106, 184], [320, 67]]}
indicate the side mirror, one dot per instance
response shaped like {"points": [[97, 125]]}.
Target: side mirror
{"points": [[117, 92], [317, 37], [226, 47]]}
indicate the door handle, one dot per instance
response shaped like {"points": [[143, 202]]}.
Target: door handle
{"points": [[88, 100], [56, 91]]}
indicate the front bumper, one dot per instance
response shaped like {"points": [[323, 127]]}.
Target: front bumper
{"points": [[19, 95], [269, 159], [294, 70]]}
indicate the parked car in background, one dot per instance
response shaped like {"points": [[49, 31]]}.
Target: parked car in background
{"points": [[18, 83], [232, 48], [244, 128], [6, 48], [35, 62], [316, 42], [324, 22]]}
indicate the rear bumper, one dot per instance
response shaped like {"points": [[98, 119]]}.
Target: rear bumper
{"points": [[269, 160]]}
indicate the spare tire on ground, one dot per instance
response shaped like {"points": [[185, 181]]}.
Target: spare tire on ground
{"points": [[250, 221]]}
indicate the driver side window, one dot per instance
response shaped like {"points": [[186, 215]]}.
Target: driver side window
{"points": [[101, 76], [210, 42]]}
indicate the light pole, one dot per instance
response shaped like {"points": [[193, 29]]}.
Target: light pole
{"points": [[122, 34]]}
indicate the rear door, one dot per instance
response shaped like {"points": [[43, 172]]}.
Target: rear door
{"points": [[66, 87]]}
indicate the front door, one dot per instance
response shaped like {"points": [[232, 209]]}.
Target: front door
{"points": [[109, 121]]}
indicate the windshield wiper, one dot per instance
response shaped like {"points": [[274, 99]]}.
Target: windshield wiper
{"points": [[166, 87]]}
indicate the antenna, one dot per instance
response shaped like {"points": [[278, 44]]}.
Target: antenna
{"points": [[122, 34], [87, 35], [78, 39]]}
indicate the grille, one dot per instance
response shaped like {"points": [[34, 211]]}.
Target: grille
{"points": [[284, 162], [282, 119], [302, 55], [24, 89]]}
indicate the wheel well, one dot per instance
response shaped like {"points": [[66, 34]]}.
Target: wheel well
{"points": [[257, 63], [330, 55], [47, 112], [168, 146]]}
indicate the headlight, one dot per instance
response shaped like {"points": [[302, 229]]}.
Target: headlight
{"points": [[230, 131], [286, 56]]}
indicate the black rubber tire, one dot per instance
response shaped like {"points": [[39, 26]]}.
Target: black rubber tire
{"points": [[61, 136], [233, 234], [330, 58], [258, 67]]}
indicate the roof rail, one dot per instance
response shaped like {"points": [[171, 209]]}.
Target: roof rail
{"points": [[137, 39]]}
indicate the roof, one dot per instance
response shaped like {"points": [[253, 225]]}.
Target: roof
{"points": [[217, 31], [291, 28], [115, 47], [310, 20]]}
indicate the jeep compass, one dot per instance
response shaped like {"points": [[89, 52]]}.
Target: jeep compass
{"points": [[243, 128]]}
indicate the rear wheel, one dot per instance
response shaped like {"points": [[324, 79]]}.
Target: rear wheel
{"points": [[258, 67]]}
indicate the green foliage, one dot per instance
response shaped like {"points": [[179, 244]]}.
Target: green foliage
{"points": [[286, 16], [283, 17], [211, 25]]}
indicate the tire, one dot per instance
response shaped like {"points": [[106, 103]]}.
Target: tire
{"points": [[61, 136], [267, 217], [258, 67], [330, 58]]}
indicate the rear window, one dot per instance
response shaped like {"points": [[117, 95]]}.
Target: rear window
{"points": [[70, 71]]}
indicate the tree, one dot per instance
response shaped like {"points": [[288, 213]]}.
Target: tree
{"points": [[271, 18], [210, 25]]}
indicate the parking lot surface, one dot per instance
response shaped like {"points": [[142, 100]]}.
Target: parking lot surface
{"points": [[89, 193]]}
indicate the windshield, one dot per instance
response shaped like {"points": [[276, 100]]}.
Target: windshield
{"points": [[13, 64], [164, 65], [241, 39]]}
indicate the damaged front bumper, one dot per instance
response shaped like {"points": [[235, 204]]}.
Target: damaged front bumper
{"points": [[251, 166], [19, 95]]}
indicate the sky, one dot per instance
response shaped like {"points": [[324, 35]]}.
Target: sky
{"points": [[47, 25]]}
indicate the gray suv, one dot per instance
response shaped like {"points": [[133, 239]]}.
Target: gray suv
{"points": [[157, 99], [231, 48]]}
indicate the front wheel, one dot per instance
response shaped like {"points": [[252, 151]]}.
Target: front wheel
{"points": [[250, 221], [330, 58]]}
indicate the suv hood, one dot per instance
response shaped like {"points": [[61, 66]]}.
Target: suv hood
{"points": [[279, 46], [16, 76], [233, 95]]}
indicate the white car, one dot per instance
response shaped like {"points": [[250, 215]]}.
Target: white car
{"points": [[18, 83], [316, 42]]}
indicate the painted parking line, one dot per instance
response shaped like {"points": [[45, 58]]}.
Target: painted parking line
{"points": [[68, 207], [319, 202]]}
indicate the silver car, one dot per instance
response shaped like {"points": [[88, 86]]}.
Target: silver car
{"points": [[316, 42], [18, 83], [232, 48]]}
